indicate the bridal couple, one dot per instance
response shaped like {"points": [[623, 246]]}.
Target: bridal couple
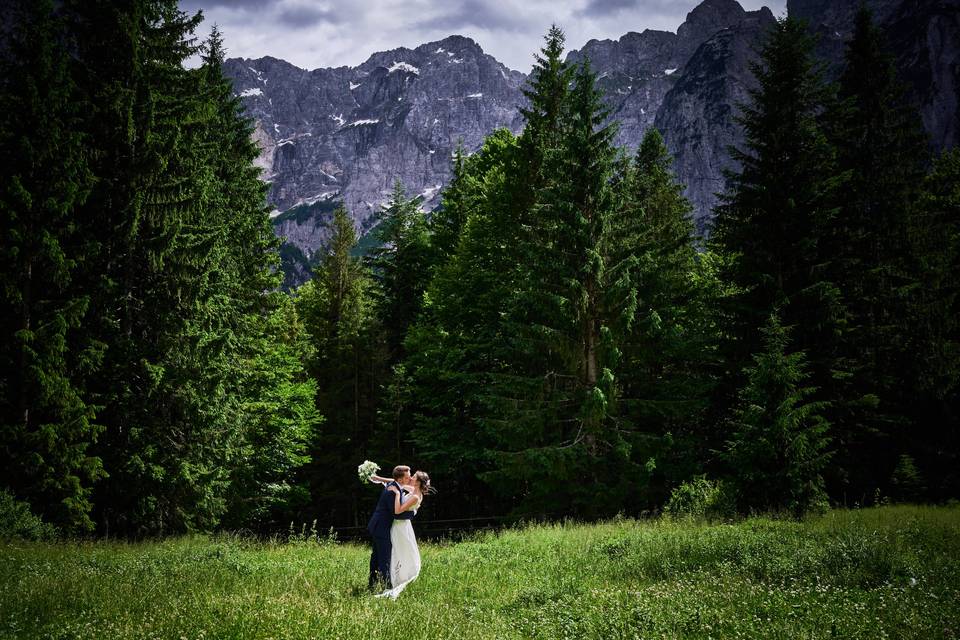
{"points": [[395, 560]]}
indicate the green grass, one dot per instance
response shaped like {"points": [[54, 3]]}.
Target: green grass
{"points": [[890, 572]]}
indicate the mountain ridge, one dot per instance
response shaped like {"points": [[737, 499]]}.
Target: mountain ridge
{"points": [[347, 133]]}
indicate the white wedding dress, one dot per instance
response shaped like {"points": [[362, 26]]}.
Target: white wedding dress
{"points": [[404, 556]]}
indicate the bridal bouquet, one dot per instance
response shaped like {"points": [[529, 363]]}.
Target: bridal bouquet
{"points": [[366, 470]]}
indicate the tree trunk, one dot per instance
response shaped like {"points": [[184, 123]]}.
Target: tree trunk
{"points": [[25, 322]]}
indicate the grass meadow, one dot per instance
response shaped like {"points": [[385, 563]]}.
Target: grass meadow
{"points": [[888, 572]]}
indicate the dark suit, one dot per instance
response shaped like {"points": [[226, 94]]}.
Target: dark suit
{"points": [[379, 529]]}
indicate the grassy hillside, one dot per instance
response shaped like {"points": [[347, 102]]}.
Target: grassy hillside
{"points": [[888, 572]]}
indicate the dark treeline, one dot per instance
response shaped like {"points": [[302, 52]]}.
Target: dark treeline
{"points": [[152, 376], [552, 341]]}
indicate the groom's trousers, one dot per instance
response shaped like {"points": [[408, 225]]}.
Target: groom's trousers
{"points": [[380, 561]]}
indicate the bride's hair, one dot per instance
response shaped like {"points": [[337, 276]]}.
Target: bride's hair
{"points": [[424, 481]]}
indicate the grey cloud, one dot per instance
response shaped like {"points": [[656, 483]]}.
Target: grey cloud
{"points": [[475, 13], [509, 30], [602, 8], [306, 16], [301, 15], [192, 6]]}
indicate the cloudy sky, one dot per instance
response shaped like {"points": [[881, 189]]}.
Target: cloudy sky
{"points": [[323, 33]]}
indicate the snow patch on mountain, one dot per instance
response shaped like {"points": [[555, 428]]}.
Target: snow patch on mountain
{"points": [[403, 66]]}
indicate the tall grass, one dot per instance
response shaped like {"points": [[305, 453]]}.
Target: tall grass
{"points": [[887, 572]]}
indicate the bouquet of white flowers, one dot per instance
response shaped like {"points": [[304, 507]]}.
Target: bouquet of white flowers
{"points": [[366, 470]]}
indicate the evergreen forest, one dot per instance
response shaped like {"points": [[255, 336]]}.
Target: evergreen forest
{"points": [[552, 342]]}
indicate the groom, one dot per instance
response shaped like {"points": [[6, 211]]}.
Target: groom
{"points": [[380, 523]]}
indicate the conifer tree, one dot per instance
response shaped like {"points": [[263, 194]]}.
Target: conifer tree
{"points": [[401, 265], [338, 310], [171, 271], [462, 342], [276, 410], [164, 285], [280, 422], [668, 343], [558, 400], [459, 342], [882, 152], [778, 211], [546, 94], [651, 247], [448, 220], [777, 448], [47, 420], [155, 234], [237, 194], [936, 329]]}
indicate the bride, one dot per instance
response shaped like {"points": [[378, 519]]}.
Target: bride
{"points": [[405, 556]]}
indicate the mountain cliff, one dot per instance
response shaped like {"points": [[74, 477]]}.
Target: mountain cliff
{"points": [[346, 133], [924, 37], [686, 84]]}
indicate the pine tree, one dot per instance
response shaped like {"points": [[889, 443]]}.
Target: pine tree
{"points": [[237, 195], [778, 212], [936, 329], [448, 220], [47, 420], [164, 283], [459, 343], [558, 399], [546, 94], [907, 483], [156, 235], [401, 265], [777, 449], [882, 152], [462, 341], [668, 343], [338, 310], [276, 400], [280, 422]]}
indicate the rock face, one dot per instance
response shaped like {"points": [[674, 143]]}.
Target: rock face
{"points": [[345, 134], [926, 39], [687, 85], [635, 72], [698, 115], [923, 35]]}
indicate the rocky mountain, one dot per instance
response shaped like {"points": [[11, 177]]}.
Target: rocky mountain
{"points": [[687, 85], [698, 116], [345, 134], [924, 36], [348, 133]]}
